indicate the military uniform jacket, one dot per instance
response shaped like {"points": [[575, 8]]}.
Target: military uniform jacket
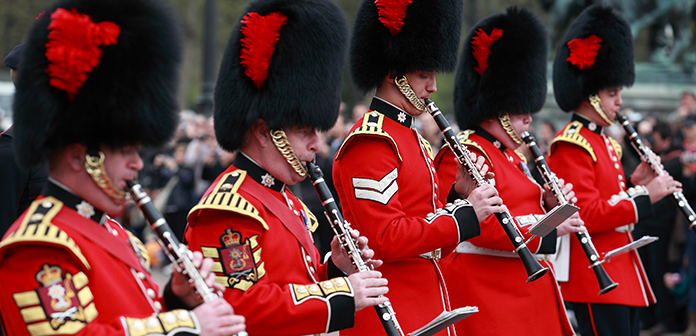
{"points": [[65, 274], [387, 184], [583, 155], [485, 272], [259, 236]]}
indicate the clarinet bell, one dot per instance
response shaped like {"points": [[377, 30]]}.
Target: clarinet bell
{"points": [[606, 285], [531, 265]]}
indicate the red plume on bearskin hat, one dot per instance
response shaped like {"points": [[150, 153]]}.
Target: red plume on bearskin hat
{"points": [[596, 52], [97, 72], [502, 68], [284, 64], [400, 36]]}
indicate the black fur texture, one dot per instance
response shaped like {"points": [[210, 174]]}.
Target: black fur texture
{"points": [[128, 98], [304, 78], [428, 41], [613, 65], [515, 80]]}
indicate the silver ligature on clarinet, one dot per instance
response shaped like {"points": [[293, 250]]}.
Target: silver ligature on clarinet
{"points": [[533, 268], [648, 156], [177, 252], [551, 181], [343, 232]]}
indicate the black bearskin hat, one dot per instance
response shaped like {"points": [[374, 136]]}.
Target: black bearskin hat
{"points": [[97, 72], [400, 36], [502, 68], [596, 52], [284, 64]]}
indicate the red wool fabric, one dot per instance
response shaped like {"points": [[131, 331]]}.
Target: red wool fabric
{"points": [[261, 33], [584, 51], [392, 14], [73, 48], [481, 43]]}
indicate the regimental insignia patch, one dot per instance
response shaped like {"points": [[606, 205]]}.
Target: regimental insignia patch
{"points": [[238, 260], [62, 305], [58, 296]]}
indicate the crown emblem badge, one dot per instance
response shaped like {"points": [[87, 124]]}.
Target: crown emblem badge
{"points": [[239, 258], [58, 296]]}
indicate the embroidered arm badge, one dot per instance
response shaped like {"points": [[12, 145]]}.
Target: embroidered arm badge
{"points": [[61, 305], [237, 262], [380, 191]]}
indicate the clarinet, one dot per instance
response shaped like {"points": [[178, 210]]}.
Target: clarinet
{"points": [[605, 282], [648, 156], [177, 252], [342, 229], [531, 265]]}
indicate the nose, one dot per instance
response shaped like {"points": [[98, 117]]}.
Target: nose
{"points": [[136, 162], [432, 83], [619, 101], [314, 144], [527, 119]]}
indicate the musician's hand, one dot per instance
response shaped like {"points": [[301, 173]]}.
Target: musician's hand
{"points": [[661, 186], [550, 200], [184, 290], [217, 318], [367, 287], [486, 201], [643, 173], [573, 224], [464, 184], [340, 257]]}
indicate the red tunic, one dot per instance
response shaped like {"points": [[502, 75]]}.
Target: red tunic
{"points": [[485, 272], [591, 161], [66, 274], [386, 181], [273, 272]]}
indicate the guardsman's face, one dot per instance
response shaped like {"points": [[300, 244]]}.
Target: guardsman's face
{"points": [[520, 122], [611, 101], [121, 164], [423, 84], [305, 142]]}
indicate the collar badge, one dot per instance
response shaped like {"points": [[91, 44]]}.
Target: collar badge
{"points": [[497, 144], [85, 209], [592, 126], [267, 180], [402, 117]]}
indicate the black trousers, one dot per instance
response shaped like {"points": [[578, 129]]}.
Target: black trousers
{"points": [[597, 319]]}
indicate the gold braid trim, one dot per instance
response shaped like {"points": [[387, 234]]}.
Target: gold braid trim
{"points": [[95, 169], [280, 140], [402, 83], [597, 104], [504, 119]]}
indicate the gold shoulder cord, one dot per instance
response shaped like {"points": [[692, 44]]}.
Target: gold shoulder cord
{"points": [[95, 169], [402, 83], [597, 104], [280, 140], [504, 119]]}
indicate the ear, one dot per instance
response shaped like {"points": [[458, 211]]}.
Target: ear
{"points": [[261, 132], [75, 155]]}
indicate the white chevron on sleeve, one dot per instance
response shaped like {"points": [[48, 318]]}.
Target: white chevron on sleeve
{"points": [[379, 191]]}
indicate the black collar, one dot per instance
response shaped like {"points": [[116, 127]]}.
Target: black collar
{"points": [[72, 201], [484, 134], [392, 112], [257, 173], [587, 123]]}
